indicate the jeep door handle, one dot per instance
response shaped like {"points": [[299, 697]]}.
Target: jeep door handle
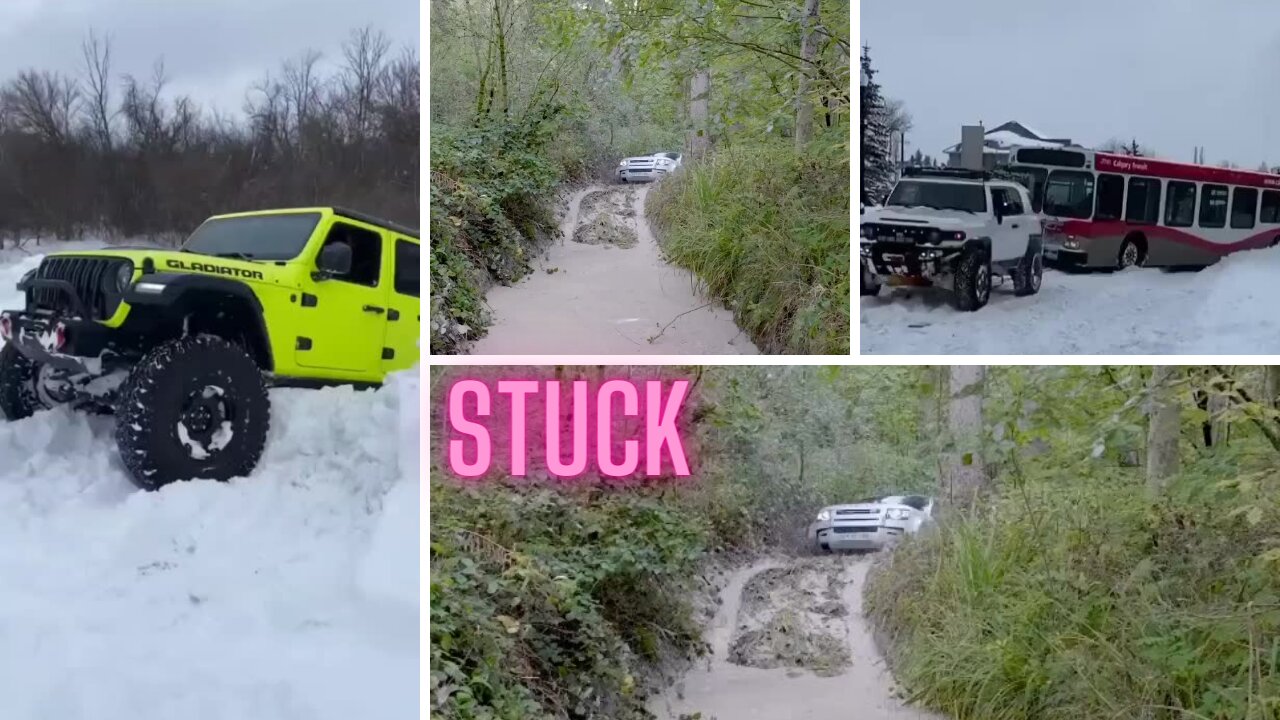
{"points": [[1014, 226], [374, 309]]}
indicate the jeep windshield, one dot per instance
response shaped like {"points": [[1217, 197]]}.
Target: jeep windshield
{"points": [[967, 197], [254, 237]]}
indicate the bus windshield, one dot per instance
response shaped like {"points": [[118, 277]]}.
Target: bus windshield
{"points": [[968, 197], [1069, 193], [1033, 178]]}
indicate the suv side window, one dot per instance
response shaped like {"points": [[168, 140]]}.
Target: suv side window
{"points": [[1006, 201], [1014, 198], [408, 273], [366, 253]]}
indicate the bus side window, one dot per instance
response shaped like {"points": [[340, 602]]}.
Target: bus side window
{"points": [[1244, 207], [1144, 201], [1110, 197], [1180, 204], [1270, 206], [1213, 206]]}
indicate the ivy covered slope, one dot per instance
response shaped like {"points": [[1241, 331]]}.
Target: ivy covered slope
{"points": [[554, 602], [1126, 564], [490, 194]]}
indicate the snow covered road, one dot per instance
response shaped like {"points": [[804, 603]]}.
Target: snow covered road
{"points": [[1230, 308], [289, 594]]}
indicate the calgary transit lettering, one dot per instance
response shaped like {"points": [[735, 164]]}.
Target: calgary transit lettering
{"points": [[472, 424]]}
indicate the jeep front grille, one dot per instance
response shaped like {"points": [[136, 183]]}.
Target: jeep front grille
{"points": [[87, 275]]}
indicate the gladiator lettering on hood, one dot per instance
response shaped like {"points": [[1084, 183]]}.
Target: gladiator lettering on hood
{"points": [[215, 269]]}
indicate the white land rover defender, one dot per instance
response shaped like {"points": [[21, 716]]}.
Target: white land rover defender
{"points": [[953, 229]]}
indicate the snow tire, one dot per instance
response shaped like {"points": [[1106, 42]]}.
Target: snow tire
{"points": [[867, 286], [973, 281], [1028, 275], [18, 398], [193, 387]]}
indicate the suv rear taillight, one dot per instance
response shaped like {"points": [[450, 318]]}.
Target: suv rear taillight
{"points": [[6, 328]]}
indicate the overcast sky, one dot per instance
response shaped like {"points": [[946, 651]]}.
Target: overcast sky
{"points": [[1172, 73], [212, 49]]}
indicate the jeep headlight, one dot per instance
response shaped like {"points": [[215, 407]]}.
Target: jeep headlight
{"points": [[1071, 243], [824, 515], [118, 281], [897, 514]]}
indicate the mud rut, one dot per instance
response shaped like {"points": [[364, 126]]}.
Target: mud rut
{"points": [[603, 287], [789, 641]]}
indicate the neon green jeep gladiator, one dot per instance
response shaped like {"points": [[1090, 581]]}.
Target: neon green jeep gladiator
{"points": [[182, 345]]}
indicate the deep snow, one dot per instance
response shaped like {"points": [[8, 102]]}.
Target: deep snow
{"points": [[1225, 309], [289, 594]]}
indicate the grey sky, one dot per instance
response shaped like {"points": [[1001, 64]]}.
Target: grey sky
{"points": [[212, 49], [1172, 73]]}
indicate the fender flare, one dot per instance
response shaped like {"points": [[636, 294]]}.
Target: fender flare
{"points": [[179, 286]]}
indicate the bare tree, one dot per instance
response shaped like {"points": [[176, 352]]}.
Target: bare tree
{"points": [[42, 103], [97, 78]]}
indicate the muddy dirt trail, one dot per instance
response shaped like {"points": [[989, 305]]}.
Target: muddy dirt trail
{"points": [[603, 288], [789, 641]]}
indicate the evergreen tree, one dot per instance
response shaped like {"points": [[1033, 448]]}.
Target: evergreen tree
{"points": [[877, 166]]}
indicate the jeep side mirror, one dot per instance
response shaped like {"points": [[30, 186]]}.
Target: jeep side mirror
{"points": [[334, 260]]}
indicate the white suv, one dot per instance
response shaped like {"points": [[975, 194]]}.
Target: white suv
{"points": [[645, 168], [954, 229]]}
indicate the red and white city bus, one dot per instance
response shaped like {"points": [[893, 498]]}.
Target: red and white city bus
{"points": [[1112, 211]]}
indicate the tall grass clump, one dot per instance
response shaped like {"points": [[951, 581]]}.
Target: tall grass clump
{"points": [[1095, 601], [767, 230]]}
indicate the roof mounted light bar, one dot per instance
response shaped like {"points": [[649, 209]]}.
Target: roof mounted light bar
{"points": [[960, 173]]}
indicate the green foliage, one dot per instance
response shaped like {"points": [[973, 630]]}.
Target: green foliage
{"points": [[1078, 593], [490, 191], [767, 230], [548, 603]]}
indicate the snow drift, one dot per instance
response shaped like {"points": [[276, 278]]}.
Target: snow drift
{"points": [[291, 593], [1225, 309]]}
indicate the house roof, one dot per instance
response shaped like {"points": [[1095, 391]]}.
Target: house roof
{"points": [[1015, 134]]}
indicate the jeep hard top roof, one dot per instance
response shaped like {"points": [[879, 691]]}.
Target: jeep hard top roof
{"points": [[336, 210]]}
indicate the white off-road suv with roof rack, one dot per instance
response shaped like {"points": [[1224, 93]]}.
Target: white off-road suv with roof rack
{"points": [[953, 229]]}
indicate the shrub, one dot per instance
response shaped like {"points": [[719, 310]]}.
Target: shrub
{"points": [[1090, 601], [767, 230], [550, 603]]}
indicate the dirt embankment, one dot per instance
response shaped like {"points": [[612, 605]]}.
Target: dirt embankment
{"points": [[789, 641], [604, 288]]}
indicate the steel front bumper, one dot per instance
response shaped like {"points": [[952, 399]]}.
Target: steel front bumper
{"points": [[909, 264], [61, 343], [854, 537]]}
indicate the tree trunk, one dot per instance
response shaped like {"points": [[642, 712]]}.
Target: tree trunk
{"points": [[1270, 385], [699, 94], [808, 48], [1163, 428], [964, 478]]}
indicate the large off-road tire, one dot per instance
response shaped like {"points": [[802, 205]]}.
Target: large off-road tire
{"points": [[867, 285], [1029, 273], [18, 398], [973, 281], [196, 407]]}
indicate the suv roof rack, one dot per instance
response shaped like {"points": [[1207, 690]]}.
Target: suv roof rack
{"points": [[956, 173]]}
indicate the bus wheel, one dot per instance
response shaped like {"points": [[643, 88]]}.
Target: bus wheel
{"points": [[1133, 253]]}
